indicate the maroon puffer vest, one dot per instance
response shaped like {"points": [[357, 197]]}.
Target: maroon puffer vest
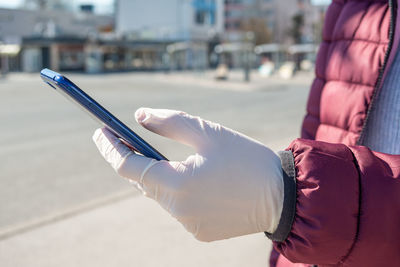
{"points": [[358, 38], [359, 44]]}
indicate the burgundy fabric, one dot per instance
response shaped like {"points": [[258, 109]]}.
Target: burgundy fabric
{"points": [[348, 207], [355, 39], [348, 198]]}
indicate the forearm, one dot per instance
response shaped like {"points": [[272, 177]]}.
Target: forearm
{"points": [[346, 199]]}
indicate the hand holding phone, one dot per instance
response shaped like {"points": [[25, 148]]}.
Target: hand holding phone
{"points": [[231, 186]]}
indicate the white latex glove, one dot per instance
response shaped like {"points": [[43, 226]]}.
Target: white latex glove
{"points": [[232, 186]]}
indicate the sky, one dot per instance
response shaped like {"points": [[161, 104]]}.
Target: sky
{"points": [[102, 6]]}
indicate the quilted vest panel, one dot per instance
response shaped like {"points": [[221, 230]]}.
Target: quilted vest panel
{"points": [[350, 59]]}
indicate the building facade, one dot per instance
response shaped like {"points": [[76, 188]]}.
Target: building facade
{"points": [[49, 38], [16, 24], [169, 20], [188, 24], [276, 14]]}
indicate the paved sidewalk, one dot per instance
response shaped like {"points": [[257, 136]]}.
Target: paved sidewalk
{"points": [[121, 234]]}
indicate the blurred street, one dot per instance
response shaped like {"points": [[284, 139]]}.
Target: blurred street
{"points": [[62, 204]]}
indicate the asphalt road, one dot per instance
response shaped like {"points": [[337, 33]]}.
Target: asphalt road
{"points": [[49, 164]]}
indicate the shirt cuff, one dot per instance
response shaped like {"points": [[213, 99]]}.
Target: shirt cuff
{"points": [[289, 198]]}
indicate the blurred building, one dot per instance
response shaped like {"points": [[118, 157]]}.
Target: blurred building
{"points": [[188, 24], [151, 35], [173, 19], [47, 5], [49, 38], [273, 25], [277, 15], [18, 23]]}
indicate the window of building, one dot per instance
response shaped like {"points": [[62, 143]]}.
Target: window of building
{"points": [[200, 17], [204, 12]]}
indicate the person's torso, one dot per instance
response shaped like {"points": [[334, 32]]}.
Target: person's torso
{"points": [[355, 97], [359, 45]]}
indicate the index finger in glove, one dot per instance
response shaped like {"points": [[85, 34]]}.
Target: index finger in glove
{"points": [[179, 126]]}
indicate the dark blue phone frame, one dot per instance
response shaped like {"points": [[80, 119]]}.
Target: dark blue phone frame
{"points": [[74, 93]]}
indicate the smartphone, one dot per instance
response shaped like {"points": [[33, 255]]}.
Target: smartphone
{"points": [[72, 92]]}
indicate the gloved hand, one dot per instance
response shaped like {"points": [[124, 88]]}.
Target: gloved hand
{"points": [[232, 186]]}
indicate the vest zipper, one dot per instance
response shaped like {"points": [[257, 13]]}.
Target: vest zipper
{"points": [[381, 71]]}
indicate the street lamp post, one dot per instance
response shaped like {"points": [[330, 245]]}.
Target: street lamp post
{"points": [[249, 38]]}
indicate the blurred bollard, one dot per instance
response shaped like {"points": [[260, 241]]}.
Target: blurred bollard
{"points": [[222, 72], [266, 69], [286, 71], [306, 65]]}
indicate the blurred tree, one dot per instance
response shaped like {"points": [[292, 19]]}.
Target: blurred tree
{"points": [[258, 26], [296, 31]]}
